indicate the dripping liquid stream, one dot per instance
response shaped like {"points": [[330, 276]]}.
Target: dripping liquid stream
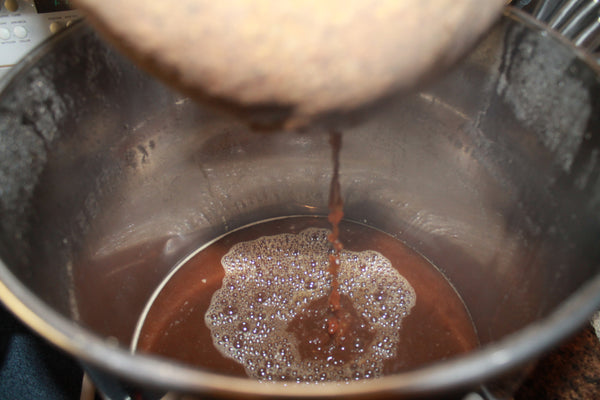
{"points": [[336, 213]]}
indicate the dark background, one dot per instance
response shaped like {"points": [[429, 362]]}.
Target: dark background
{"points": [[32, 369]]}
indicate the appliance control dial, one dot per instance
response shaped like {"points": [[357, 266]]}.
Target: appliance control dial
{"points": [[11, 5], [23, 26]]}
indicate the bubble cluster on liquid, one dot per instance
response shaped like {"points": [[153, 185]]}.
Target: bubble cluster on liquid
{"points": [[268, 281]]}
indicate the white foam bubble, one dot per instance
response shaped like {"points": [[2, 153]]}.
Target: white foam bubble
{"points": [[268, 281]]}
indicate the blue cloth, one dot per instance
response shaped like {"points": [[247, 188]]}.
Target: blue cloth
{"points": [[30, 368]]}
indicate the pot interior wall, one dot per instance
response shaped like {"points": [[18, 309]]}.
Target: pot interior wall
{"points": [[108, 179]]}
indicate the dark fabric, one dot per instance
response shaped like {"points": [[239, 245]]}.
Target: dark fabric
{"points": [[32, 369]]}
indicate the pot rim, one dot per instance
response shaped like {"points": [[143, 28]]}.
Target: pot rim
{"points": [[466, 371]]}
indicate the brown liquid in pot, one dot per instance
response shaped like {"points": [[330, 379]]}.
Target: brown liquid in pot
{"points": [[399, 310]]}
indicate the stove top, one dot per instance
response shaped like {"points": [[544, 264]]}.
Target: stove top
{"points": [[576, 20]]}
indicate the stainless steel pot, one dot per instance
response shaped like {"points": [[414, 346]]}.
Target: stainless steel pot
{"points": [[493, 173]]}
